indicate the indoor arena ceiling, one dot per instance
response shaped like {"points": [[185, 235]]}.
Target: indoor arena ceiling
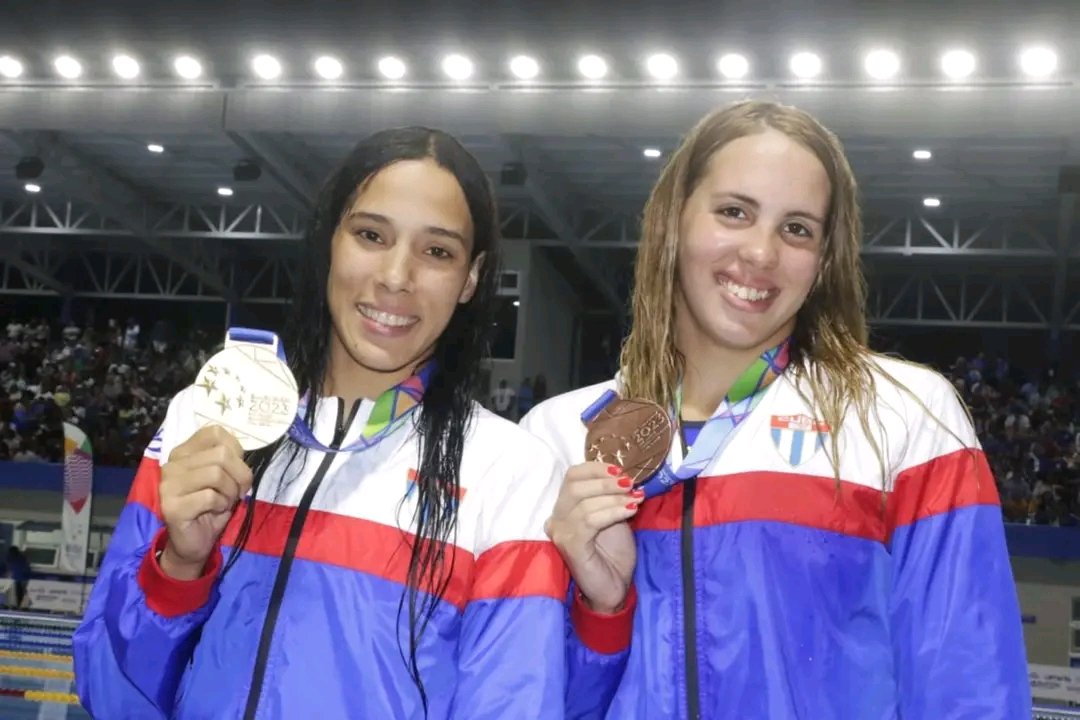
{"points": [[1002, 141]]}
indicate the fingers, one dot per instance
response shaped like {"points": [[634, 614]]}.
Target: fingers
{"points": [[222, 457], [204, 439], [593, 480], [593, 471], [600, 513], [190, 506], [594, 496]]}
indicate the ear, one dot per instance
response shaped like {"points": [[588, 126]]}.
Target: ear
{"points": [[474, 277]]}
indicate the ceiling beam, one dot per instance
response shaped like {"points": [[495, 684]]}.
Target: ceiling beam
{"points": [[1066, 215], [548, 194], [85, 178], [291, 175], [9, 257]]}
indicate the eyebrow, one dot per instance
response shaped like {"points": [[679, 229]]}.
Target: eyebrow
{"points": [[755, 204], [431, 229]]}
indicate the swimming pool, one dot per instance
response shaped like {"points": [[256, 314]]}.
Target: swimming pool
{"points": [[36, 679]]}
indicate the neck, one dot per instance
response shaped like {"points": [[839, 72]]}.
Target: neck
{"points": [[350, 381], [710, 371]]}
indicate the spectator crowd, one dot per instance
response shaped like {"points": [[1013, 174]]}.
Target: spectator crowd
{"points": [[115, 385], [1030, 430]]}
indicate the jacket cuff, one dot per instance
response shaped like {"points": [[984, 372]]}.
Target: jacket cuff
{"points": [[600, 632], [168, 596]]}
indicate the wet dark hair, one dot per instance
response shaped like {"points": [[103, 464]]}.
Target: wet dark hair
{"points": [[447, 408]]}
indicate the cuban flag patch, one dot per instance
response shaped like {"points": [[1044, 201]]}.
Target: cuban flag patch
{"points": [[797, 437]]}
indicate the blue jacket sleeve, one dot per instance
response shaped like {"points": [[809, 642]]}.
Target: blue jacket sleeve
{"points": [[957, 634], [597, 649], [140, 626]]}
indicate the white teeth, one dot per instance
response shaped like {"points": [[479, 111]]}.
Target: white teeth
{"points": [[745, 293], [384, 318]]}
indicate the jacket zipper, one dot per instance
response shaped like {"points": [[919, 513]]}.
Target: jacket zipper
{"points": [[693, 702], [282, 578]]}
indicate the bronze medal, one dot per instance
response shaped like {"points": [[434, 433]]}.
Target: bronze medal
{"points": [[633, 434]]}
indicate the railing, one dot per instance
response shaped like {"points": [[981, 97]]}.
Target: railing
{"points": [[1045, 713]]}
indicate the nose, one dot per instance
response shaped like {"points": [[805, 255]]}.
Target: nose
{"points": [[761, 247], [395, 273]]}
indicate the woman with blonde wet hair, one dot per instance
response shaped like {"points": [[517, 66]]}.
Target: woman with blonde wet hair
{"points": [[823, 538]]}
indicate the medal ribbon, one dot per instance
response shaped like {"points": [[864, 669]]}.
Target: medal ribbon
{"points": [[390, 412], [745, 394]]}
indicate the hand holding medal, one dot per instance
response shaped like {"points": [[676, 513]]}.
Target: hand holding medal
{"points": [[245, 398], [632, 434], [625, 444]]}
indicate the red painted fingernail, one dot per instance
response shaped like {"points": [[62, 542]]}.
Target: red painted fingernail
{"points": [[625, 482], [632, 506], [614, 471], [638, 493]]}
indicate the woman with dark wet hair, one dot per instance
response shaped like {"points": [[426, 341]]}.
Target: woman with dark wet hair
{"points": [[388, 559]]}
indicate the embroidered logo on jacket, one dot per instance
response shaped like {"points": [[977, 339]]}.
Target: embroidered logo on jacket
{"points": [[411, 487], [797, 437]]}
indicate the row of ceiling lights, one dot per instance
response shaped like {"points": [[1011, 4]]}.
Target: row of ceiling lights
{"points": [[651, 153], [957, 64]]}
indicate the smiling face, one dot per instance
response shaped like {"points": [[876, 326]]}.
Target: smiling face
{"points": [[400, 264], [750, 240]]}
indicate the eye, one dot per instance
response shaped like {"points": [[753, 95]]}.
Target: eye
{"points": [[798, 230], [368, 235], [732, 213], [440, 253]]}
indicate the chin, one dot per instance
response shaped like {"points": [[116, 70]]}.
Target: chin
{"points": [[741, 338], [380, 359]]}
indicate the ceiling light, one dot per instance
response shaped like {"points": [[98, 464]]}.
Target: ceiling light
{"points": [[882, 64], [391, 68], [805, 65], [187, 67], [155, 148], [922, 154], [67, 67], [662, 66], [125, 67], [10, 67], [1038, 61], [931, 202], [32, 188], [266, 67], [524, 67], [592, 67], [457, 67], [733, 66], [328, 68], [225, 191], [651, 153], [958, 64]]}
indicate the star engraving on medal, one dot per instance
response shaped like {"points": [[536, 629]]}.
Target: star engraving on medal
{"points": [[223, 403], [211, 370], [208, 385]]}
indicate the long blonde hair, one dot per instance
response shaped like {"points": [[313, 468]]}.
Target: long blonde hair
{"points": [[829, 351]]}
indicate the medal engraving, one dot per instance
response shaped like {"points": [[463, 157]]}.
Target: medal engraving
{"points": [[248, 390], [631, 434]]}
